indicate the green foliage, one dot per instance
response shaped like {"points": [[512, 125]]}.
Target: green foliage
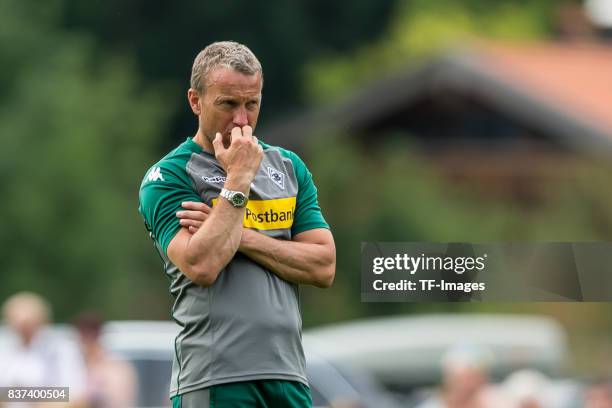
{"points": [[392, 193], [78, 131], [422, 28], [165, 36], [79, 127]]}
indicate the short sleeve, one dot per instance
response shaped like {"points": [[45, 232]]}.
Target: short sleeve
{"points": [[163, 190], [307, 213]]}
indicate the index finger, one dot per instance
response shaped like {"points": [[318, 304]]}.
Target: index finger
{"points": [[236, 132], [247, 131], [195, 206]]}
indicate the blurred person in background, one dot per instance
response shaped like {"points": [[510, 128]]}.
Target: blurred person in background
{"points": [[598, 395], [529, 388], [526, 389], [38, 357], [111, 382], [236, 265], [465, 381]]}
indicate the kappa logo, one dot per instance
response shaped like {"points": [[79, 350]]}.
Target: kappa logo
{"points": [[277, 177], [214, 179], [155, 174]]}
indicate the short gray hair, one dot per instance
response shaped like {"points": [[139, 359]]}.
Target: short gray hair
{"points": [[228, 54]]}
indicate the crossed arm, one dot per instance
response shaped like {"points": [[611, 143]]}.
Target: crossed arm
{"points": [[310, 258], [203, 254], [210, 238]]}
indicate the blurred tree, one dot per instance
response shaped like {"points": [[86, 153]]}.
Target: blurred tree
{"points": [[90, 93], [164, 37], [79, 129], [420, 28], [393, 194]]}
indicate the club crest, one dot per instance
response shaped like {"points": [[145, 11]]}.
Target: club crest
{"points": [[277, 177]]}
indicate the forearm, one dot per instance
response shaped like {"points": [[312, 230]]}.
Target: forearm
{"points": [[217, 241], [212, 247], [308, 263]]}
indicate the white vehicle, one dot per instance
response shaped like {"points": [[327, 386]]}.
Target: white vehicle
{"points": [[406, 352], [403, 352], [148, 345]]}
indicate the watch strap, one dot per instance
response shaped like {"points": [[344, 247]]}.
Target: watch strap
{"points": [[230, 196]]}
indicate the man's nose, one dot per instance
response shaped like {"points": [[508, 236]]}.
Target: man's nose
{"points": [[240, 117]]}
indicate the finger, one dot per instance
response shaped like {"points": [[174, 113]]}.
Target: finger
{"points": [[192, 215], [218, 143], [196, 206], [190, 223], [236, 132], [247, 131], [193, 230]]}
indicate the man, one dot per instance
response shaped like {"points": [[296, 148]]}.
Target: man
{"points": [[598, 394], [465, 381], [38, 357], [238, 225], [111, 382]]}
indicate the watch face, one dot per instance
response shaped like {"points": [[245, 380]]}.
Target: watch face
{"points": [[238, 199]]}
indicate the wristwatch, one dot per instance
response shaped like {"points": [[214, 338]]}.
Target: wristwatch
{"points": [[236, 198]]}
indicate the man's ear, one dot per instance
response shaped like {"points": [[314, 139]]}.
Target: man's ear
{"points": [[194, 101]]}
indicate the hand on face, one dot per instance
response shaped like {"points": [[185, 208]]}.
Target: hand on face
{"points": [[241, 159], [231, 100]]}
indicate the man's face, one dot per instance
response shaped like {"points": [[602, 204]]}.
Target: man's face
{"points": [[230, 99], [26, 324]]}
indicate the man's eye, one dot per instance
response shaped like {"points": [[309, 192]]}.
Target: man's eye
{"points": [[228, 103], [252, 104]]}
